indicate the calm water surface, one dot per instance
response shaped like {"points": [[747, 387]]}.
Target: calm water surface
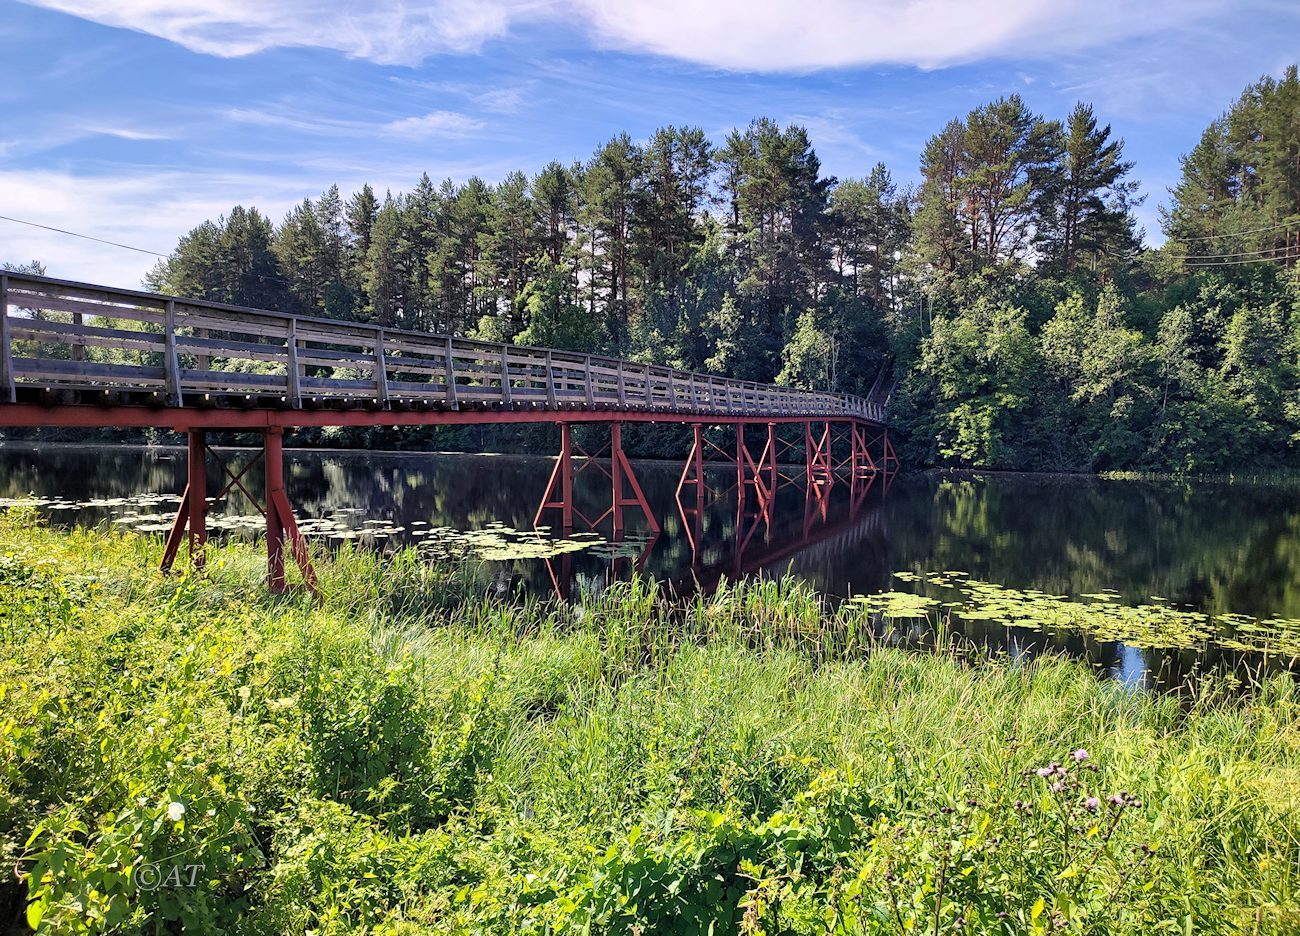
{"points": [[1211, 546]]}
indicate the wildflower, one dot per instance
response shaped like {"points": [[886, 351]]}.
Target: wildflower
{"points": [[1058, 786], [1091, 804], [175, 811], [1079, 755], [1048, 771], [1115, 799]]}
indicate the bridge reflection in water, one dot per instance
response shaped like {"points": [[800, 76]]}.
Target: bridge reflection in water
{"points": [[736, 529]]}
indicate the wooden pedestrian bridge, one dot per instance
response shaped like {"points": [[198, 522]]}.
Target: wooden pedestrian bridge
{"points": [[81, 355]]}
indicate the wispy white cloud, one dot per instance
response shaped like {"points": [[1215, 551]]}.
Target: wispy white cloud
{"points": [[435, 123], [125, 133], [394, 32], [777, 35], [501, 100]]}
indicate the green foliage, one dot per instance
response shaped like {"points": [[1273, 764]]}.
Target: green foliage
{"points": [[746, 260], [402, 757]]}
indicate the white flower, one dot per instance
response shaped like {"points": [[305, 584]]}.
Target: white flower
{"points": [[175, 811]]}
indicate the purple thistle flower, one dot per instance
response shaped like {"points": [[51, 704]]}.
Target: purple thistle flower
{"points": [[1058, 786], [1079, 755], [1045, 772], [1115, 799], [1091, 804]]}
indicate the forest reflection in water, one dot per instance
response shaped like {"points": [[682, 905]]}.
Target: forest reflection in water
{"points": [[1216, 547]]}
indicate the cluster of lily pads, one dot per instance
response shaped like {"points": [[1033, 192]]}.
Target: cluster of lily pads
{"points": [[497, 542], [154, 513], [1099, 615]]}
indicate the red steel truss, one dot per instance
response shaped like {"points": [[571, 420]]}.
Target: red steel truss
{"points": [[869, 452]]}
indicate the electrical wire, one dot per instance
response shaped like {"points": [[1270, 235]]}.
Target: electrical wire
{"points": [[152, 253], [1285, 224], [1241, 253], [1223, 263], [98, 240]]}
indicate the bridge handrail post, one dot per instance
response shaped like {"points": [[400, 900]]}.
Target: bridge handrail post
{"points": [[171, 363], [505, 375], [450, 389], [622, 385], [550, 380], [293, 382], [381, 370], [586, 379], [8, 389]]}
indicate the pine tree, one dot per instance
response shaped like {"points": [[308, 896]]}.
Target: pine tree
{"points": [[1084, 198]]}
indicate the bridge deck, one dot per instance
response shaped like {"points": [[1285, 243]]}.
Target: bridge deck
{"points": [[80, 354]]}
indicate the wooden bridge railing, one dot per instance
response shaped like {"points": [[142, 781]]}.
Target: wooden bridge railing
{"points": [[57, 335]]}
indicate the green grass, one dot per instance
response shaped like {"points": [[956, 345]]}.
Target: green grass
{"points": [[405, 756]]}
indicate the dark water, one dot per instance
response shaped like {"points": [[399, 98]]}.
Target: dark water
{"points": [[1210, 546]]}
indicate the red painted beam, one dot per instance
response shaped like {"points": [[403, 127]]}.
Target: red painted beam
{"points": [[181, 419]]}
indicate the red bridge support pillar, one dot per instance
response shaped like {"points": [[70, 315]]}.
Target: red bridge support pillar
{"points": [[561, 477], [193, 512], [280, 521]]}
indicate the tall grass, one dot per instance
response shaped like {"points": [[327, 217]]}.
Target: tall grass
{"points": [[406, 755]]}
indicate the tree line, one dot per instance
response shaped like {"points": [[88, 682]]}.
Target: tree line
{"points": [[1009, 293]]}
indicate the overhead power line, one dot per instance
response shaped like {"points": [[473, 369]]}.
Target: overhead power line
{"points": [[1241, 253], [98, 240], [1293, 255], [152, 253], [1202, 237]]}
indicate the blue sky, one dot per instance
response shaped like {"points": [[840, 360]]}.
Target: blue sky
{"points": [[134, 120]]}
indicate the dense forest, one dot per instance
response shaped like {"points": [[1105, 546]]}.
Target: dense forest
{"points": [[1009, 294]]}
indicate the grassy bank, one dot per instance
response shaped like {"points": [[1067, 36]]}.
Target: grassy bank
{"points": [[403, 758]]}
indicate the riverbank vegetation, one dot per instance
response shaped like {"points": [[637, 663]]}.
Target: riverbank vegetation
{"points": [[1010, 293], [407, 756]]}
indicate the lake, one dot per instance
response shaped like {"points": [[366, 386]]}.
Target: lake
{"points": [[1204, 548]]}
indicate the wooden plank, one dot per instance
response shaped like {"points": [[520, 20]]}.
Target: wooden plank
{"points": [[52, 303], [292, 373], [586, 373], [86, 373], [233, 382], [8, 390], [87, 335], [275, 328]]}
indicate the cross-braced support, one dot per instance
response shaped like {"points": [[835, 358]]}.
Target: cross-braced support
{"points": [[559, 489], [819, 465], [861, 464], [280, 522], [761, 472], [889, 460]]}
